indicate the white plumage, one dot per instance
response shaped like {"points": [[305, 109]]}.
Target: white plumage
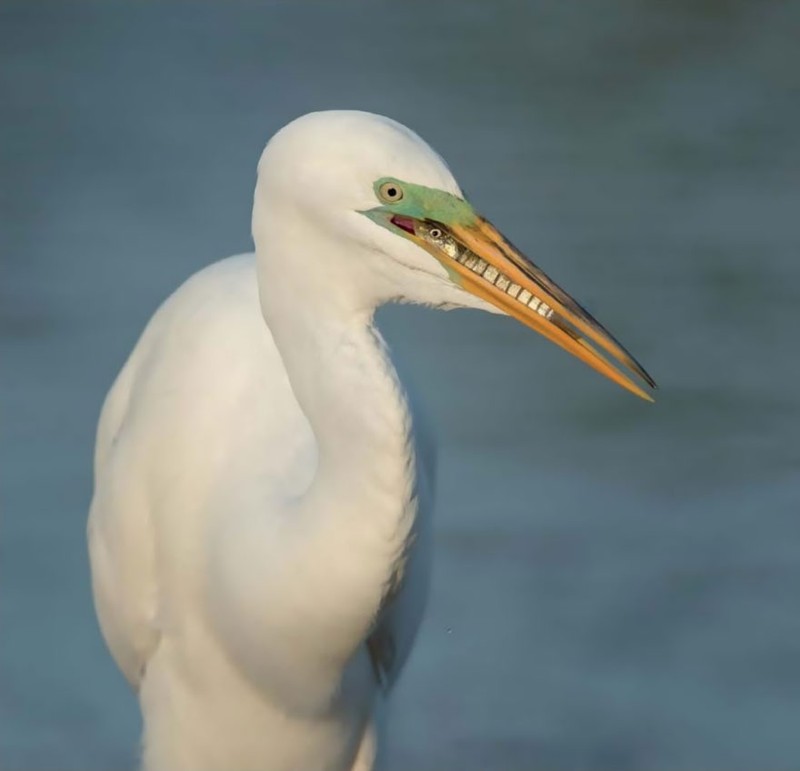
{"points": [[258, 533]]}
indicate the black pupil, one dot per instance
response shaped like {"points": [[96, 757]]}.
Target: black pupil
{"points": [[391, 192]]}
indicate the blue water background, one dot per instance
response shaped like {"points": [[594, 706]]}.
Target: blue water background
{"points": [[617, 584]]}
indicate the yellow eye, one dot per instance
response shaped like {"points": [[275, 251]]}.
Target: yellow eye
{"points": [[390, 192]]}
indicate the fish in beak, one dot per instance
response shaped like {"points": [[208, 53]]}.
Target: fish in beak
{"points": [[482, 261]]}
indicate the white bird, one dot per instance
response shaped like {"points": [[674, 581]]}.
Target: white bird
{"points": [[259, 529]]}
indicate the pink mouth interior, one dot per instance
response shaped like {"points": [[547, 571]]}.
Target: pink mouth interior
{"points": [[404, 223]]}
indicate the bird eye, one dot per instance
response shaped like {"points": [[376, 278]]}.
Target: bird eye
{"points": [[391, 192]]}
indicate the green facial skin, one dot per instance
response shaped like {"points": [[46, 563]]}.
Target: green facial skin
{"points": [[421, 203]]}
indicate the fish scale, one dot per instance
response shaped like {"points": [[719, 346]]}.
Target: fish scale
{"points": [[437, 235]]}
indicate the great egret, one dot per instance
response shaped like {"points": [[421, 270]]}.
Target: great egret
{"points": [[259, 529]]}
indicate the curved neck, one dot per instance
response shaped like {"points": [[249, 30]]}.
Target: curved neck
{"points": [[355, 522], [319, 303], [348, 389]]}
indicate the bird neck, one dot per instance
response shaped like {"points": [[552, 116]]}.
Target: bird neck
{"points": [[357, 517], [319, 305], [348, 389]]}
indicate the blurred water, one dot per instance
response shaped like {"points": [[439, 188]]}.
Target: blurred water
{"points": [[617, 583]]}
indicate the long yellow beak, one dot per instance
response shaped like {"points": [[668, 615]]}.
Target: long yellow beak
{"points": [[489, 266]]}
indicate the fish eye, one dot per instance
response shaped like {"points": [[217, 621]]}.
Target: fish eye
{"points": [[391, 192], [435, 233]]}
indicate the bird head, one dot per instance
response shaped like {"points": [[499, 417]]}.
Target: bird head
{"points": [[355, 209]]}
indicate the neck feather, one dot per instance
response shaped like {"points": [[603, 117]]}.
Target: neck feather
{"points": [[357, 518]]}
